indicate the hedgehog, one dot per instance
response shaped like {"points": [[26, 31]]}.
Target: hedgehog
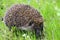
{"points": [[24, 17]]}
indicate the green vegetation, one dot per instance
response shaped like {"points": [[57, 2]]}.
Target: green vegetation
{"points": [[49, 9]]}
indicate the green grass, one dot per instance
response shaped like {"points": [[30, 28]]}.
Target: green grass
{"points": [[49, 9]]}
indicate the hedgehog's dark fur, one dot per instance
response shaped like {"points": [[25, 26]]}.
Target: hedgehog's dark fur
{"points": [[21, 15]]}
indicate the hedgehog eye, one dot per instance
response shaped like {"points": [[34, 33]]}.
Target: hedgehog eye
{"points": [[30, 23], [13, 25]]}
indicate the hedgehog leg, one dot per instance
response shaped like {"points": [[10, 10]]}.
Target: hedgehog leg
{"points": [[9, 28]]}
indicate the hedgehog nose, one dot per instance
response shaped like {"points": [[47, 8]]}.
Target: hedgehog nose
{"points": [[38, 33]]}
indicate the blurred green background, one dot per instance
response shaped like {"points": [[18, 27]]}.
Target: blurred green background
{"points": [[49, 9]]}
